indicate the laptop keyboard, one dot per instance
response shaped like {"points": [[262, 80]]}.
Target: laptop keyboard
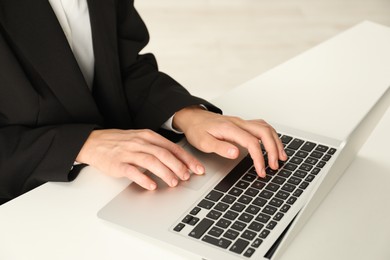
{"points": [[243, 209]]}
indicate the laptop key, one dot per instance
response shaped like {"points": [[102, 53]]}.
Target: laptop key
{"points": [[271, 225], [214, 214], [231, 215], [289, 152], [249, 252], [296, 160], [242, 185], [285, 208], [286, 139], [263, 218], [322, 148], [238, 225], [269, 210], [304, 185], [238, 207], [229, 199], [278, 180], [214, 195], [245, 217], [249, 235], [258, 185], [236, 191], [308, 146], [257, 243], [239, 246], [215, 231], [195, 211], [316, 154], [221, 206], [284, 173], [291, 200], [282, 195], [295, 144], [321, 164], [266, 194], [298, 192], [255, 226], [252, 209], [272, 187], [278, 216], [201, 228], [220, 242], [276, 202], [231, 234], [179, 227], [245, 199], [259, 201], [264, 233], [206, 204], [302, 154], [251, 192], [223, 223], [288, 187], [193, 221]]}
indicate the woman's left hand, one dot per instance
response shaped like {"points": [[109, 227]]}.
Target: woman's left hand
{"points": [[215, 133]]}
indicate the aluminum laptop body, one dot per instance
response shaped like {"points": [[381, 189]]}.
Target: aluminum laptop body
{"points": [[332, 95]]}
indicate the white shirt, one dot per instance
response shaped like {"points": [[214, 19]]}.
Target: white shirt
{"points": [[73, 16]]}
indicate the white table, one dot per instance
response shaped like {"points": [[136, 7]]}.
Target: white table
{"points": [[58, 220]]}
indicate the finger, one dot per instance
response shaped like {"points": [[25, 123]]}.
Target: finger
{"points": [[154, 165], [134, 174], [166, 157], [193, 164], [185, 157], [268, 136], [211, 144], [280, 147], [233, 133]]}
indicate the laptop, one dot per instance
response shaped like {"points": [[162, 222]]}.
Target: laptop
{"points": [[230, 212]]}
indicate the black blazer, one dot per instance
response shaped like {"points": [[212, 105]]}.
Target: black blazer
{"points": [[46, 108]]}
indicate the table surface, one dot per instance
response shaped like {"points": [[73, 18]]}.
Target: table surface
{"points": [[58, 220]]}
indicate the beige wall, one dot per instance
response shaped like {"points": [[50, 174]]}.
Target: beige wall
{"points": [[213, 45]]}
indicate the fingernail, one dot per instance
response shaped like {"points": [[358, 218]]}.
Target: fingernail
{"points": [[152, 186], [284, 153], [174, 182], [262, 173], [232, 153], [276, 163], [200, 169]]}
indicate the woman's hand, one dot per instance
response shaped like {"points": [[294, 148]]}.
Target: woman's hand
{"points": [[210, 132], [121, 153]]}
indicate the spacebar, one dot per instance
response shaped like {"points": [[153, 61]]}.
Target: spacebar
{"points": [[234, 175]]}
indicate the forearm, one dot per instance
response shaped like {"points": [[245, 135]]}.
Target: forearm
{"points": [[32, 156]]}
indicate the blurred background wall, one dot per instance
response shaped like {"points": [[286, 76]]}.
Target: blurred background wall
{"points": [[210, 46]]}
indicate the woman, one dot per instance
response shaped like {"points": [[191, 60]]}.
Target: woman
{"points": [[75, 91]]}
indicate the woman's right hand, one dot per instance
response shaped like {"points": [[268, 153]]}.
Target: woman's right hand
{"points": [[124, 153]]}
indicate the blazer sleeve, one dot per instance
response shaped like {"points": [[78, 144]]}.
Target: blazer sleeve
{"points": [[30, 157], [152, 95]]}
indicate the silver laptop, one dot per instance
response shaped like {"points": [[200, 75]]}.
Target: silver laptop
{"points": [[230, 213]]}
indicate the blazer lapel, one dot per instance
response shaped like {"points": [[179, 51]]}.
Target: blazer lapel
{"points": [[108, 90], [36, 32]]}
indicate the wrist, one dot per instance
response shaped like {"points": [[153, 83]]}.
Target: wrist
{"points": [[184, 117]]}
